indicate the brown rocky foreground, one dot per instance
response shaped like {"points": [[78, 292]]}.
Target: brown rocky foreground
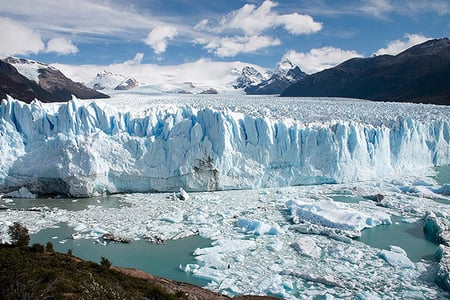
{"points": [[191, 292]]}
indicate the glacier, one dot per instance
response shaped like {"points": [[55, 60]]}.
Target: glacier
{"points": [[144, 144]]}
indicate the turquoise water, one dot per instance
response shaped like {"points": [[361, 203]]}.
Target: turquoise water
{"points": [[408, 236], [160, 260], [66, 203], [348, 199], [443, 175]]}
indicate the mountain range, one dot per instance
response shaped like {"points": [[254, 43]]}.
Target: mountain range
{"points": [[255, 83], [28, 80], [419, 74]]}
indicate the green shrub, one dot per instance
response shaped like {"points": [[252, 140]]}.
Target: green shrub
{"points": [[49, 247], [37, 248], [19, 235], [105, 262]]}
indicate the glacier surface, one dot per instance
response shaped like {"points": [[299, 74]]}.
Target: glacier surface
{"points": [[140, 143]]}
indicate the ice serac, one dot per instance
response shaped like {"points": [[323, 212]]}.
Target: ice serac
{"points": [[83, 149]]}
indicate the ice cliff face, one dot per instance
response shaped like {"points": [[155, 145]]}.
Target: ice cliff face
{"points": [[86, 149]]}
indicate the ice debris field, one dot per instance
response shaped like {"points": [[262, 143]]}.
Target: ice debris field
{"points": [[260, 174]]}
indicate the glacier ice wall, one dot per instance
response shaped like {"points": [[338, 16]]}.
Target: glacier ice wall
{"points": [[82, 149]]}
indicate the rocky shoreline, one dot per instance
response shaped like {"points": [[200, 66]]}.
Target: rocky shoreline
{"points": [[190, 291]]}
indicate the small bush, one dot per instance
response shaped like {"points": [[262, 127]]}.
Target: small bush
{"points": [[37, 248], [49, 247], [105, 262], [19, 235]]}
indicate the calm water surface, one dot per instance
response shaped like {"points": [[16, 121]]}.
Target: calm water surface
{"points": [[160, 260]]}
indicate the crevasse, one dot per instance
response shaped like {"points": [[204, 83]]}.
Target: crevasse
{"points": [[83, 149]]}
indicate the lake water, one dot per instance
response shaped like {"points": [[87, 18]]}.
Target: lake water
{"points": [[161, 260], [164, 260], [403, 233]]}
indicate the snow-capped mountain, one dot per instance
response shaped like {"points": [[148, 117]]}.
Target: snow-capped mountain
{"points": [[248, 76], [283, 67], [111, 81], [127, 84], [28, 80], [283, 76]]}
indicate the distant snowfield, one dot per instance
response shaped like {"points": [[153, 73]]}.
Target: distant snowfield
{"points": [[282, 234]]}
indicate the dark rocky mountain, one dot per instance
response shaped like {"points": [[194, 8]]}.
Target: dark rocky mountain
{"points": [[18, 86], [420, 74], [51, 84]]}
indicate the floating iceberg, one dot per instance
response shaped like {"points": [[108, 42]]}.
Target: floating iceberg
{"points": [[396, 257], [330, 214]]}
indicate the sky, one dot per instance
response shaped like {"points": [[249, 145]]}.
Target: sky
{"points": [[314, 34]]}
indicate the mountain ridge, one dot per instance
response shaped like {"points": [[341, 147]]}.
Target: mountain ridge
{"points": [[28, 80], [419, 74]]}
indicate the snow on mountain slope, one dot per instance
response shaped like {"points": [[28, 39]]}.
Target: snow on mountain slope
{"points": [[211, 143], [106, 80], [203, 74], [28, 68]]}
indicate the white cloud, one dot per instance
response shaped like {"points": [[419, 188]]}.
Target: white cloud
{"points": [[61, 46], [231, 46], [397, 46], [242, 30], [299, 24], [203, 73], [251, 19], [158, 37], [378, 8], [18, 39], [442, 8], [84, 18], [319, 59], [136, 60], [201, 25], [254, 20]]}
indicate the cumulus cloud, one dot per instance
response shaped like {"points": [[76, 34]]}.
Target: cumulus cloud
{"points": [[254, 20], [397, 46], [17, 39], [319, 59], [158, 37], [244, 30], [231, 46], [61, 46], [299, 24]]}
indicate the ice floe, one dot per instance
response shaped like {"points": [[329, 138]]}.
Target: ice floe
{"points": [[257, 247]]}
